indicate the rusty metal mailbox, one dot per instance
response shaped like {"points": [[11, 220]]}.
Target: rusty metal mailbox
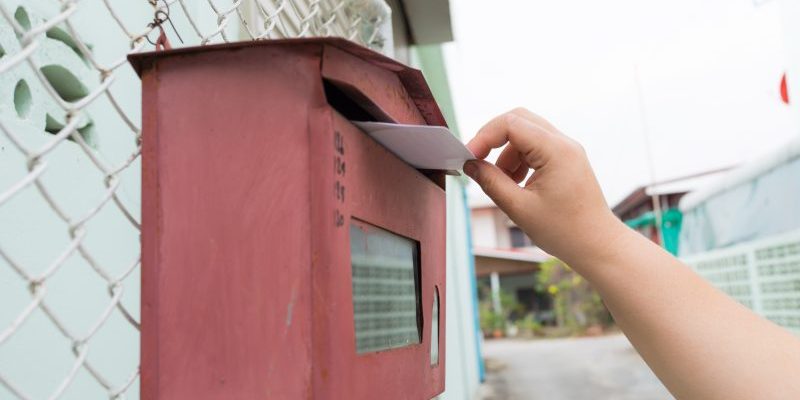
{"points": [[285, 254]]}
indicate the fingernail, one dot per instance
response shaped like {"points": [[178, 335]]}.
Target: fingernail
{"points": [[471, 169]]}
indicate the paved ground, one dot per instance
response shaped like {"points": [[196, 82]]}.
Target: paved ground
{"points": [[601, 368]]}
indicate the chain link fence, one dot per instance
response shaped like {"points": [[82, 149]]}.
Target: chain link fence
{"points": [[70, 171]]}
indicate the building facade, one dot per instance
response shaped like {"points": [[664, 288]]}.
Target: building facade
{"points": [[506, 264]]}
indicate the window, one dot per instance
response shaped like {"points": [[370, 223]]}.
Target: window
{"points": [[519, 238], [385, 273]]}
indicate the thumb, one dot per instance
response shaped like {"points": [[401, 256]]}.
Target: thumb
{"points": [[494, 182]]}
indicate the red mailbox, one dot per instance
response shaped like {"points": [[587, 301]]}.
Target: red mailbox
{"points": [[286, 254]]}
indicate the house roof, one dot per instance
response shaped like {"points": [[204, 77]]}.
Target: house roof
{"points": [[683, 184], [630, 201], [534, 254], [744, 173]]}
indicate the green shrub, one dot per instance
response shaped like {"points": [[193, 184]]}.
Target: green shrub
{"points": [[492, 321], [528, 326], [577, 306]]}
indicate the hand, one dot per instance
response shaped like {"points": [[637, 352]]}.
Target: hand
{"points": [[561, 206], [701, 343]]}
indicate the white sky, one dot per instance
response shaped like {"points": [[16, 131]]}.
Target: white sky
{"points": [[709, 72]]}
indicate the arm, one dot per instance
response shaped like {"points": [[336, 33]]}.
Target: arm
{"points": [[699, 342]]}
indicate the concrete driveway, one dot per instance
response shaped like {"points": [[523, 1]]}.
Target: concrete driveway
{"points": [[599, 368]]}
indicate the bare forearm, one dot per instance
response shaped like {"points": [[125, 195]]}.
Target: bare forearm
{"points": [[700, 342]]}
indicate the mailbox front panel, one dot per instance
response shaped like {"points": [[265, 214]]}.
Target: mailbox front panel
{"points": [[225, 225], [285, 254], [379, 269]]}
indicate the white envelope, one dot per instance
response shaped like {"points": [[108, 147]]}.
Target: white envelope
{"points": [[422, 146]]}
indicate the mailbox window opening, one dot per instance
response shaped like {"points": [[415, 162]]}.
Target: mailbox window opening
{"points": [[386, 288]]}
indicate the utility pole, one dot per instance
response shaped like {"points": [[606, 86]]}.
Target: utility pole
{"points": [[649, 155]]}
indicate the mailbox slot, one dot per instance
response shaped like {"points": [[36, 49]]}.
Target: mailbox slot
{"points": [[351, 103]]}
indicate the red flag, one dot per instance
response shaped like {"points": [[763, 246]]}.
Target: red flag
{"points": [[784, 89]]}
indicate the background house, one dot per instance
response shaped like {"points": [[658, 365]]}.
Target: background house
{"points": [[641, 208], [742, 233], [506, 262]]}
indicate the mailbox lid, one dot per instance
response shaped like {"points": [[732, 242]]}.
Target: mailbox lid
{"points": [[389, 90], [412, 80]]}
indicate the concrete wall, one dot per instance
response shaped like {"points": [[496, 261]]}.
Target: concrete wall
{"points": [[490, 228], [483, 228], [37, 357]]}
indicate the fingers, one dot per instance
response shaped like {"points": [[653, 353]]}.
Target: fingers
{"points": [[520, 173], [511, 164], [532, 141], [495, 183], [508, 160], [535, 118]]}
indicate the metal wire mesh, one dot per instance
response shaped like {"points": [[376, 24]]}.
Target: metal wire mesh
{"points": [[69, 171]]}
